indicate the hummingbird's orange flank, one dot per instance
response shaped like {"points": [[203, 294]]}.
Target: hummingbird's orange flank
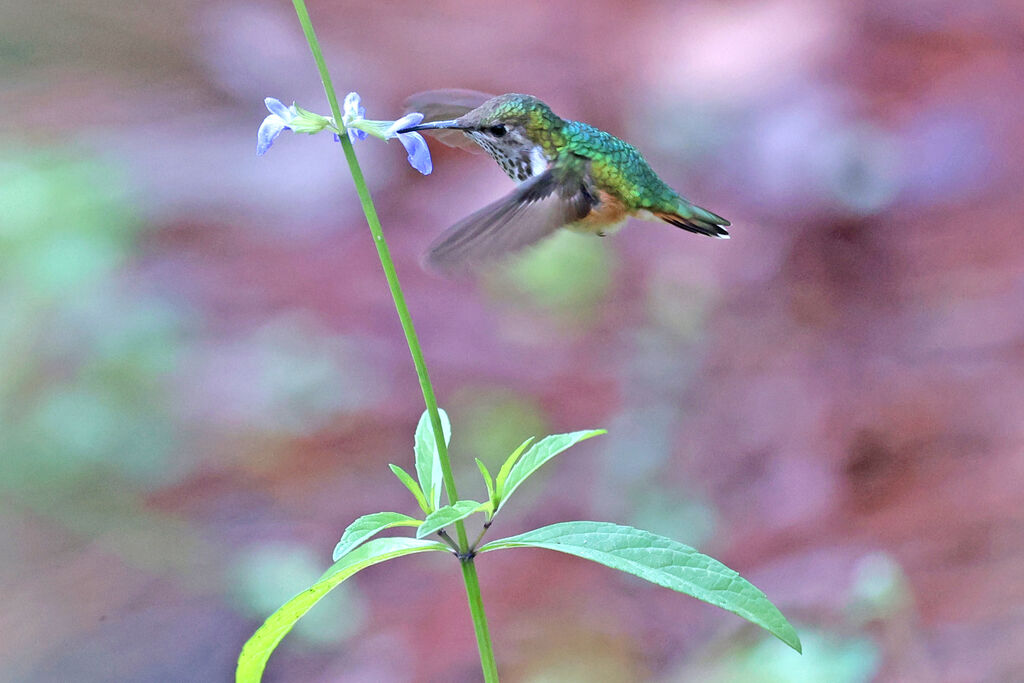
{"points": [[570, 174]]}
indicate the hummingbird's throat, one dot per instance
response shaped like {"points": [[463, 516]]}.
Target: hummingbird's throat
{"points": [[518, 157]]}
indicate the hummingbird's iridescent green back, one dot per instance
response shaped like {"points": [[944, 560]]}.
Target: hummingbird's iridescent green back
{"points": [[619, 168]]}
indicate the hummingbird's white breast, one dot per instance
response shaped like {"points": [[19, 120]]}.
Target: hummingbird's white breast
{"points": [[538, 161]]}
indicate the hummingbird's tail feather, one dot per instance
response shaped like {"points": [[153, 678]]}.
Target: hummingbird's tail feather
{"points": [[695, 219]]}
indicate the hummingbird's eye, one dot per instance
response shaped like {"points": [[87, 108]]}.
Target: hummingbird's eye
{"points": [[497, 131]]}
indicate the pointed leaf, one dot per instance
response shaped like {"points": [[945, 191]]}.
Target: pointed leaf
{"points": [[370, 525], [413, 487], [540, 453], [488, 481], [428, 460], [258, 649], [506, 467], [449, 514], [662, 561]]}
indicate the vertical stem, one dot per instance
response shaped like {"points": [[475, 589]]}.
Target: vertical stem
{"points": [[483, 635], [385, 260], [476, 606]]}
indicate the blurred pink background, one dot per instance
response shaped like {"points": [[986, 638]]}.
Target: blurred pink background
{"points": [[202, 376]]}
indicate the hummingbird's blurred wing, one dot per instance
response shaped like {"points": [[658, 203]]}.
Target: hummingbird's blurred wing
{"points": [[443, 105], [536, 208]]}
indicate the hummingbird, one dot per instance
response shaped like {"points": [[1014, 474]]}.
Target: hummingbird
{"points": [[569, 174]]}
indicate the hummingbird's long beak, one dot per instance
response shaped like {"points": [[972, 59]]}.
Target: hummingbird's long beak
{"points": [[451, 124]]}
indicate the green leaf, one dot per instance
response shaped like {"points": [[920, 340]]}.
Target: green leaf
{"points": [[370, 525], [258, 649], [540, 453], [506, 467], [488, 481], [428, 460], [449, 514], [413, 487], [662, 561]]}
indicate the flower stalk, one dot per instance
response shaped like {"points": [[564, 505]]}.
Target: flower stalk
{"points": [[487, 661]]}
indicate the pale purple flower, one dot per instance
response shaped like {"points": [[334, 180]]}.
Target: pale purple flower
{"points": [[415, 145], [279, 120], [353, 119], [419, 154], [353, 111]]}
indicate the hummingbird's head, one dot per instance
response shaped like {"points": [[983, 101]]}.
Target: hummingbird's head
{"points": [[519, 131]]}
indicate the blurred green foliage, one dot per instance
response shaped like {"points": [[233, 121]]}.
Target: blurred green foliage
{"points": [[567, 276], [826, 657], [84, 357], [67, 222], [86, 362], [266, 576], [492, 423], [880, 589]]}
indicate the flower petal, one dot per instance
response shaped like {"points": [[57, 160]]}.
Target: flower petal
{"points": [[275, 106], [406, 121], [419, 154], [268, 132], [351, 107], [353, 112]]}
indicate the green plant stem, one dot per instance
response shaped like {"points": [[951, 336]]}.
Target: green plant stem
{"points": [[476, 607], [468, 568], [385, 260], [480, 537]]}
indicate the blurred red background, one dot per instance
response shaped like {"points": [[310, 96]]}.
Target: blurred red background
{"points": [[202, 377]]}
